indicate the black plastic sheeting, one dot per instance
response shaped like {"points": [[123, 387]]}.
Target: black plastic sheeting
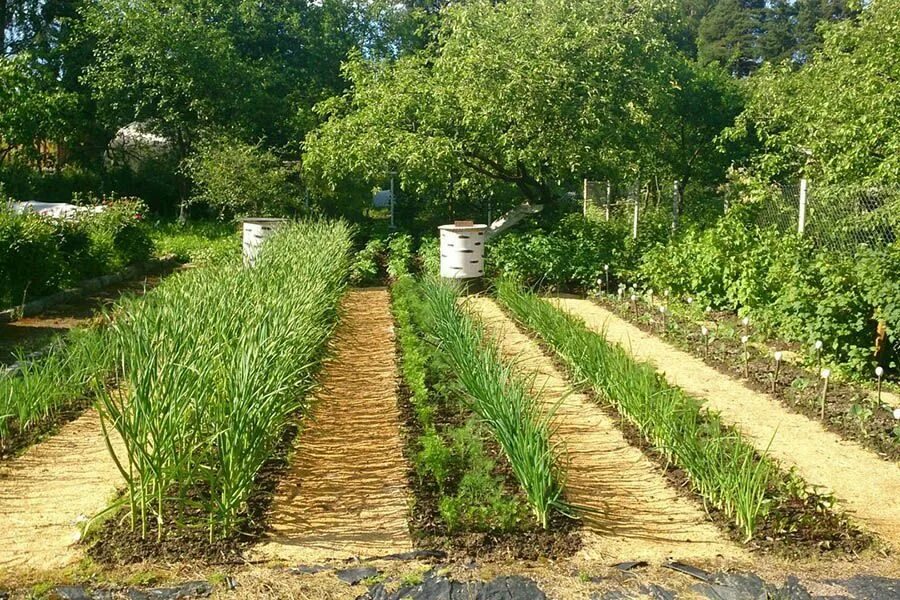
{"points": [[712, 586], [440, 588]]}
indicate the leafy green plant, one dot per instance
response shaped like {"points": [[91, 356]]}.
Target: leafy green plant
{"points": [[366, 266], [429, 256], [500, 397], [399, 255]]}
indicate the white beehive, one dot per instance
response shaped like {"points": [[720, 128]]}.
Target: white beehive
{"points": [[256, 231], [462, 250]]}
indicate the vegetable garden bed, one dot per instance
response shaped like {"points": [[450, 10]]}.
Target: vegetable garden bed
{"points": [[765, 505], [216, 365], [468, 498], [850, 411]]}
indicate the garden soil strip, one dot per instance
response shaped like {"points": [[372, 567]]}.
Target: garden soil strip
{"points": [[865, 485], [48, 491], [32, 333], [345, 493], [640, 516]]}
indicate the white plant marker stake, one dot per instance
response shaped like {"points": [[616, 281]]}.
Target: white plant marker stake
{"points": [[704, 331], [826, 375], [778, 357], [606, 272], [879, 373], [818, 348]]}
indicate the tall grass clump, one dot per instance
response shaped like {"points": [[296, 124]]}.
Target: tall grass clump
{"points": [[211, 369], [35, 395], [500, 398], [726, 471]]}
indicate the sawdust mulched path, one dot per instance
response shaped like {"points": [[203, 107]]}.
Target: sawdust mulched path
{"points": [[345, 493], [50, 491], [865, 485], [636, 514]]}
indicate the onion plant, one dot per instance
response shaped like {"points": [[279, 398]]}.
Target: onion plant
{"points": [[501, 398], [40, 389], [726, 471], [211, 369]]}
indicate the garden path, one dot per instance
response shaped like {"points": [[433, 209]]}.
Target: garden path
{"points": [[639, 515], [345, 493], [864, 484], [47, 492]]}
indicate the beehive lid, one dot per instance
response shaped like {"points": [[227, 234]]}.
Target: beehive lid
{"points": [[463, 226], [263, 221]]}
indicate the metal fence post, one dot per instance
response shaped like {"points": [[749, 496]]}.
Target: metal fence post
{"points": [[634, 228], [585, 207], [608, 197], [801, 223]]}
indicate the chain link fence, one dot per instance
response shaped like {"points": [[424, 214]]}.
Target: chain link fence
{"points": [[836, 218]]}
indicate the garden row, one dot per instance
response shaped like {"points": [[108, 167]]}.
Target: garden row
{"points": [[799, 377], [199, 378], [792, 290], [484, 473], [763, 503]]}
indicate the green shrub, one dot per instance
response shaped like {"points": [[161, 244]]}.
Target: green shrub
{"points": [[366, 268], [240, 179], [569, 254], [40, 255], [801, 293], [399, 256], [118, 235], [31, 262], [429, 256]]}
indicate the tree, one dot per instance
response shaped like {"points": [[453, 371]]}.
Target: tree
{"points": [[237, 178], [704, 102], [528, 93], [838, 117], [729, 33]]}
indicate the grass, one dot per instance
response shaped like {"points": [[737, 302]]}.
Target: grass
{"points": [[210, 370], [727, 472], [499, 397], [198, 242]]}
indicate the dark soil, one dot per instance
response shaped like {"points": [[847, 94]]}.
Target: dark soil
{"points": [[527, 542], [849, 410], [115, 543], [31, 334], [800, 522]]}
